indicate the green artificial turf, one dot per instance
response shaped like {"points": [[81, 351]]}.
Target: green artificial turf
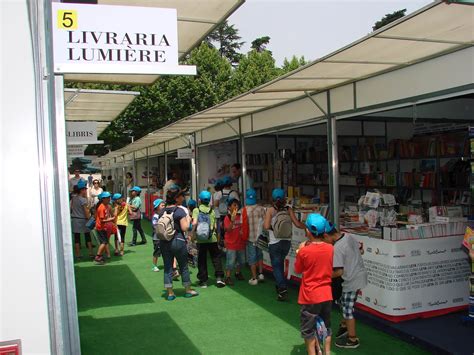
{"points": [[122, 311]]}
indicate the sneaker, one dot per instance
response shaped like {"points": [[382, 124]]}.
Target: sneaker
{"points": [[99, 261], [228, 281], [155, 268], [203, 284], [239, 276], [253, 282], [261, 278], [282, 294], [347, 343], [143, 242], [132, 244], [342, 332], [116, 253], [220, 283], [191, 293]]}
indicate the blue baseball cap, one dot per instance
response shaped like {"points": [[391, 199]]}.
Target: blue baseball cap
{"points": [[205, 196], [81, 184], [116, 197], [231, 200], [103, 195], [218, 183], [136, 189], [316, 224], [250, 197], [192, 203], [156, 203], [330, 228], [226, 181], [278, 194]]}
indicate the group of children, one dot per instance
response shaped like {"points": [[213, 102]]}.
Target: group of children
{"points": [[110, 216]]}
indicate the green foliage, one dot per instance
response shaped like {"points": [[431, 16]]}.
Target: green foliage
{"points": [[222, 74], [228, 42], [260, 44], [294, 63], [389, 18], [256, 68]]}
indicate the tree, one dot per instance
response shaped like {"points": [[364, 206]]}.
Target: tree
{"points": [[228, 40], [294, 63], [260, 44], [171, 98], [389, 18], [256, 68]]}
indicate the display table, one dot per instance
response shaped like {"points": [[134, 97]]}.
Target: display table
{"points": [[407, 279]]}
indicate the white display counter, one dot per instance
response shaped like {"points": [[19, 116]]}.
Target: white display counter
{"points": [[407, 279]]}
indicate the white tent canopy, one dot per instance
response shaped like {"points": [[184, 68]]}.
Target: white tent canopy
{"points": [[102, 106], [433, 31], [196, 19]]}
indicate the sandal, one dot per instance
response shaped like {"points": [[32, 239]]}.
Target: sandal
{"points": [[171, 297], [191, 293]]}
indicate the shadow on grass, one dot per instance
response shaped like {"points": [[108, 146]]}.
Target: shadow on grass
{"points": [[108, 285], [153, 333]]}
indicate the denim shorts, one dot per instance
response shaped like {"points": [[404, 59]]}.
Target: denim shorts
{"points": [[233, 256], [254, 254]]}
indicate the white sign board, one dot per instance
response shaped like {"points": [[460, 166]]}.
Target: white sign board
{"points": [[116, 39], [75, 151], [415, 276], [186, 153], [81, 133]]}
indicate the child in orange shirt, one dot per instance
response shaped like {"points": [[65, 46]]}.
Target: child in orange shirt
{"points": [[236, 229]]}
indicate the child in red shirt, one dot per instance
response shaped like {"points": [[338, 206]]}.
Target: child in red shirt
{"points": [[103, 218], [236, 235], [314, 260]]}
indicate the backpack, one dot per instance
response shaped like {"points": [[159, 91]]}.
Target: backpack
{"points": [[223, 203], [281, 225], [203, 230], [165, 229]]}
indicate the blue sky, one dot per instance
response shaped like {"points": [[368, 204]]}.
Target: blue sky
{"points": [[312, 28]]}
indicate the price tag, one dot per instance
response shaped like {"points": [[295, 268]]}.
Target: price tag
{"points": [[67, 19]]}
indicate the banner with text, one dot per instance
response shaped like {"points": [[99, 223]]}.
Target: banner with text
{"points": [[116, 39]]}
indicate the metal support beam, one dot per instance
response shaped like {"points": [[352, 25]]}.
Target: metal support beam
{"points": [[232, 128], [243, 180], [194, 184], [315, 102], [147, 202], [124, 176], [333, 165], [134, 169]]}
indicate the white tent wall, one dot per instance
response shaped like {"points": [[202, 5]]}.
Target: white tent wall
{"points": [[23, 299]]}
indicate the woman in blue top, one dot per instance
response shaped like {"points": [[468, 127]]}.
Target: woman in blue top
{"points": [[176, 247]]}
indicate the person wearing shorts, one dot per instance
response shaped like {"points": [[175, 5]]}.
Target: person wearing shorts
{"points": [[103, 216], [158, 205], [314, 260], [121, 214], [255, 215], [349, 264]]}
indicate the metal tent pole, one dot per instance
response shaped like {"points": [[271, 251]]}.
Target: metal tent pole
{"points": [[194, 187]]}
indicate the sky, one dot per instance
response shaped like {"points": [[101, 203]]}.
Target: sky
{"points": [[312, 28]]}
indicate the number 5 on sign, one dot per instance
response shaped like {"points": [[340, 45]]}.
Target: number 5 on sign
{"points": [[67, 19]]}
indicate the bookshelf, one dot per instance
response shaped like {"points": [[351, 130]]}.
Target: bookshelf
{"points": [[260, 170], [433, 168]]}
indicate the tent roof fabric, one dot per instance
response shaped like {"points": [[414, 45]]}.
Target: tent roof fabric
{"points": [[102, 106], [196, 19], [432, 31]]}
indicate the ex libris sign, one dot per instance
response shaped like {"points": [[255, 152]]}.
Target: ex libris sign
{"points": [[115, 39]]}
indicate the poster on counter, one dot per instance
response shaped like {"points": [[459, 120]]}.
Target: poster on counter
{"points": [[414, 276], [220, 159]]}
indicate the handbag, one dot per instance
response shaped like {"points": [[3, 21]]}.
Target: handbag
{"points": [[90, 224], [135, 214], [262, 242]]}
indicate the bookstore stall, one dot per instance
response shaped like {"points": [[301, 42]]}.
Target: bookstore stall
{"points": [[377, 140]]}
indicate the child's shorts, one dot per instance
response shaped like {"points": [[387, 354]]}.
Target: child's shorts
{"points": [[156, 249], [102, 236], [308, 314], [347, 301], [233, 256], [254, 254]]}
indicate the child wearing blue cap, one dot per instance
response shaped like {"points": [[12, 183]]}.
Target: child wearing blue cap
{"points": [[121, 215], [205, 234], [279, 221], [135, 215], [255, 215], [314, 260], [158, 205], [221, 199]]}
